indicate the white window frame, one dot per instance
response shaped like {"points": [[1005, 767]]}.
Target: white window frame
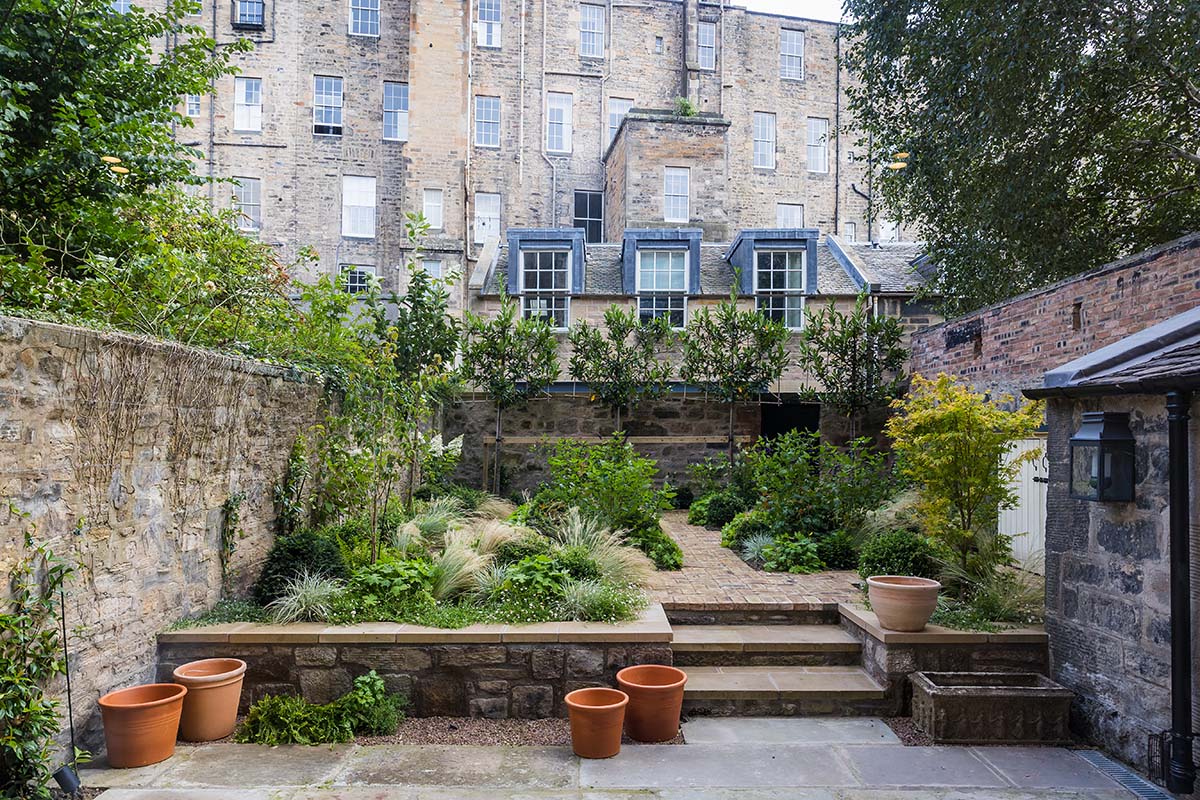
{"points": [[251, 19], [191, 105], [247, 116], [706, 45], [360, 274], [358, 216], [656, 253], [489, 14], [370, 14], [121, 6], [487, 130], [787, 293], [850, 231], [433, 267], [783, 210], [557, 295], [433, 208], [653, 295], [399, 120], [561, 104], [668, 195], [247, 199], [763, 125], [791, 54], [818, 144], [487, 216], [337, 97], [647, 309], [617, 109], [591, 30]]}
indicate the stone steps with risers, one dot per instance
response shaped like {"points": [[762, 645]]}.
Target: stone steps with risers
{"points": [[763, 645], [782, 691]]}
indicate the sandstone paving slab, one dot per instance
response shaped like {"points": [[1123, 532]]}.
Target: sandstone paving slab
{"points": [[882, 765], [101, 775], [191, 794], [457, 793], [788, 730], [1045, 767], [247, 766], [716, 765], [450, 765]]}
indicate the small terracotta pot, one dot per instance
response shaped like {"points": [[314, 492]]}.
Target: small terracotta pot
{"points": [[140, 723], [902, 602], [655, 701], [596, 718], [210, 707]]}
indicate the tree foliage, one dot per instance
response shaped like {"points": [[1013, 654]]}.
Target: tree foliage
{"points": [[856, 357], [732, 354], [621, 365], [510, 359], [1045, 138], [954, 446]]}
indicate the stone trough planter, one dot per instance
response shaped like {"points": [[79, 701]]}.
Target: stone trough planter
{"points": [[991, 707]]}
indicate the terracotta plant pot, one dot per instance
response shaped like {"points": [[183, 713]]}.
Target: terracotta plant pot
{"points": [[140, 723], [655, 700], [210, 707], [596, 718], [902, 602]]}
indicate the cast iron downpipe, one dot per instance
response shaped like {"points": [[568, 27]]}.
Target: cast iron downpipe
{"points": [[1181, 775]]}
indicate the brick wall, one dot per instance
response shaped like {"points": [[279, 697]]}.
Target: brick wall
{"points": [[122, 452], [1007, 347]]}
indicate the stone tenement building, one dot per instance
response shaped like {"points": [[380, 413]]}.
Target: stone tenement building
{"points": [[486, 115]]}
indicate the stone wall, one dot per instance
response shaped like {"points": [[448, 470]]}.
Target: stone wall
{"points": [[122, 453], [1006, 347], [1108, 583], [678, 423]]}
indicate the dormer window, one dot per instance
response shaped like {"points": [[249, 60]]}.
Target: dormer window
{"points": [[546, 285], [779, 285], [662, 285]]}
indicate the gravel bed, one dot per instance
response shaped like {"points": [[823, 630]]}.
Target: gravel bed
{"points": [[907, 732]]}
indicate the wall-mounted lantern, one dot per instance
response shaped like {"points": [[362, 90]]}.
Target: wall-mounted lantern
{"points": [[1102, 458]]}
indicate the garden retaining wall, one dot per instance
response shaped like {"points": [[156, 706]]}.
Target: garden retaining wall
{"points": [[123, 452], [490, 671]]}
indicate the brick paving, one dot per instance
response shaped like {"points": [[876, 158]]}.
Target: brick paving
{"points": [[714, 578]]}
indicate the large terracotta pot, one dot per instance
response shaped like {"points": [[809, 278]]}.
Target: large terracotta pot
{"points": [[210, 707], [655, 700], [902, 602], [140, 723], [596, 719]]}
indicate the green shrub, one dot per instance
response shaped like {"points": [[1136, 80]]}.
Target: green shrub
{"points": [[308, 598], [226, 611], [717, 509], [792, 553], [838, 550], [743, 526], [367, 709], [754, 548], [392, 584], [899, 552], [302, 551], [684, 496], [534, 577], [657, 545], [714, 474], [578, 562], [531, 544], [599, 601]]}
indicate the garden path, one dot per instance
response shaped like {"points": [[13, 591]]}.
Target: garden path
{"points": [[714, 578]]}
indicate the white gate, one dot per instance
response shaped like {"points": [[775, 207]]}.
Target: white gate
{"points": [[1026, 523]]}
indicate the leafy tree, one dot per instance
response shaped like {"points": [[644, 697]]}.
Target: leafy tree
{"points": [[621, 365], [511, 359], [1045, 138], [733, 354], [953, 445], [856, 358]]}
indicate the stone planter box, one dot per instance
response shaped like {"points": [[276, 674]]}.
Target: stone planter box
{"points": [[991, 707]]}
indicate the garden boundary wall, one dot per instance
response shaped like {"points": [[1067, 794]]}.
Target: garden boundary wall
{"points": [[123, 454], [1006, 347]]}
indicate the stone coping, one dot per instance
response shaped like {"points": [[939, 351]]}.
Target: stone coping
{"points": [[651, 626], [765, 606], [936, 634]]}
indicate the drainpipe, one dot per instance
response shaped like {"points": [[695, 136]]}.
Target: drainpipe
{"points": [[521, 101], [468, 234], [545, 117], [837, 127], [1181, 775]]}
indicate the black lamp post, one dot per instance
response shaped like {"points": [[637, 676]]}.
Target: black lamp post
{"points": [[1102, 458]]}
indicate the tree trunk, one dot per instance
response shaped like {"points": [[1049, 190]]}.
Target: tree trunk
{"points": [[496, 456], [618, 429], [732, 406]]}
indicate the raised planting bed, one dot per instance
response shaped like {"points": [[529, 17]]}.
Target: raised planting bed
{"points": [[495, 671], [991, 707]]}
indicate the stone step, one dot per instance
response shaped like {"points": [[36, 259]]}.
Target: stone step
{"points": [[814, 613], [763, 645], [779, 691]]}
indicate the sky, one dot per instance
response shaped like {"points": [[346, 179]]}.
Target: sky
{"points": [[813, 9]]}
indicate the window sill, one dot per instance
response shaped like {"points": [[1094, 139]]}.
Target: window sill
{"points": [[375, 36], [495, 47], [791, 80], [326, 135], [395, 141], [359, 237], [247, 131], [487, 146]]}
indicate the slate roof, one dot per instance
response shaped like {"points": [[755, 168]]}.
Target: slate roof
{"points": [[1158, 359], [602, 272]]}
